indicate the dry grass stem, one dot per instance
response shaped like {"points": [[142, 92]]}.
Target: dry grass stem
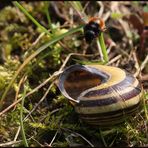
{"points": [[17, 91], [53, 139], [114, 59]]}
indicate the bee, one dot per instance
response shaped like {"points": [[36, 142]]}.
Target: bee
{"points": [[93, 28]]}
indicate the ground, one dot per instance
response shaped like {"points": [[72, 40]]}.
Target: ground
{"points": [[37, 41]]}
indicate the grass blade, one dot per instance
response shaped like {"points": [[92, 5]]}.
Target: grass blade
{"points": [[102, 138], [31, 17], [47, 3], [21, 120], [79, 9], [103, 47], [77, 5], [39, 50]]}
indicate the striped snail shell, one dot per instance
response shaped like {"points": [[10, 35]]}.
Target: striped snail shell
{"points": [[102, 95]]}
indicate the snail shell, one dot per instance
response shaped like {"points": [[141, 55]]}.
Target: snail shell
{"points": [[102, 95]]}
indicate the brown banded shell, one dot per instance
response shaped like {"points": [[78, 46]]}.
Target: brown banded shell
{"points": [[102, 95]]}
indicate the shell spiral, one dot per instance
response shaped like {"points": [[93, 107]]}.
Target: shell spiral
{"points": [[102, 95]]}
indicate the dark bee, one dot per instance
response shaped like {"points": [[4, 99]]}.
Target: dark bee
{"points": [[93, 28]]}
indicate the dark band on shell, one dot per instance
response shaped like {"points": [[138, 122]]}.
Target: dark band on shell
{"points": [[101, 94]]}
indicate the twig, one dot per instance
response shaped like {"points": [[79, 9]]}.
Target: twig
{"points": [[104, 142], [99, 49], [111, 144], [85, 139], [106, 16], [144, 77], [131, 54], [69, 56], [39, 101], [28, 94], [17, 133], [117, 64], [55, 74], [114, 59], [37, 142], [53, 138], [122, 51], [112, 44], [81, 15], [85, 6], [144, 63], [136, 65], [80, 136], [10, 143], [38, 39], [66, 60], [20, 15], [45, 82], [43, 33], [17, 91], [48, 88], [125, 27], [35, 107], [9, 107], [29, 58], [100, 13], [65, 47], [61, 15], [54, 111]]}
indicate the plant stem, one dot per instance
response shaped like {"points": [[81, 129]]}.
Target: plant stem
{"points": [[103, 140], [144, 105], [31, 17], [47, 3], [103, 47], [21, 120]]}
